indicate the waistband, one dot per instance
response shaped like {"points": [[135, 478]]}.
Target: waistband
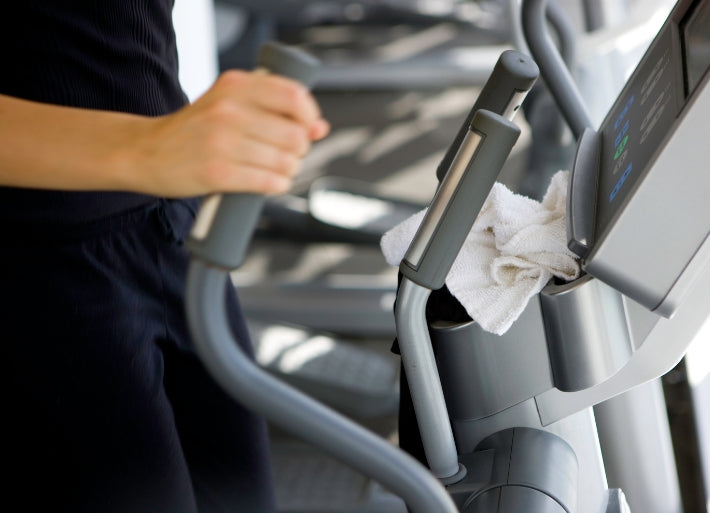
{"points": [[175, 216], [64, 207]]}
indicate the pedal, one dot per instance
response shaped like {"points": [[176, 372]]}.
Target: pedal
{"points": [[356, 380]]}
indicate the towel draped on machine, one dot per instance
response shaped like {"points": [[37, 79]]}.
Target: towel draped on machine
{"points": [[516, 245]]}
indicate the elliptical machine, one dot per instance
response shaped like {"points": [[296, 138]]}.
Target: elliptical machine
{"points": [[532, 446]]}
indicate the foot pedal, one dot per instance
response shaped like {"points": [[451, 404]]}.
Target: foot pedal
{"points": [[355, 380], [308, 481]]}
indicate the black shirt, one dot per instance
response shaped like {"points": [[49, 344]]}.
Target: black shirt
{"points": [[117, 55]]}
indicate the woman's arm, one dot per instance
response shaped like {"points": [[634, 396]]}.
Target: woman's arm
{"points": [[247, 133]]}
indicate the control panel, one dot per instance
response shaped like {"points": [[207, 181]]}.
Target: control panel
{"points": [[650, 214]]}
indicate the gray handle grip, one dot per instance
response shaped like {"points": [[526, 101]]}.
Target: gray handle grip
{"points": [[226, 222], [459, 199], [512, 77]]}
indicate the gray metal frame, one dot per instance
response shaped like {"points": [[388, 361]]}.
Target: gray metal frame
{"points": [[294, 411], [534, 446]]}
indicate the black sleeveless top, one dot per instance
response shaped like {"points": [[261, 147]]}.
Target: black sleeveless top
{"points": [[117, 55]]}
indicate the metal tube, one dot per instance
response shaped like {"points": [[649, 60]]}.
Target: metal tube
{"points": [[552, 68], [294, 411], [423, 378]]}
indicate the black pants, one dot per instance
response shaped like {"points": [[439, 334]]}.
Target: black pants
{"points": [[105, 406]]}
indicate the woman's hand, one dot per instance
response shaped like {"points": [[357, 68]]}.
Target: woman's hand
{"points": [[247, 133]]}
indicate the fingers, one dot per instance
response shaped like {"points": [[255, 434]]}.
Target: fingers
{"points": [[284, 96], [277, 131], [319, 130], [256, 154], [248, 133], [278, 95], [257, 180]]}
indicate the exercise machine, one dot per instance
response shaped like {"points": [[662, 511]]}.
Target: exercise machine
{"points": [[342, 297], [523, 438]]}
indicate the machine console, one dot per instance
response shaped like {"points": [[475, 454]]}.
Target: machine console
{"points": [[651, 212]]}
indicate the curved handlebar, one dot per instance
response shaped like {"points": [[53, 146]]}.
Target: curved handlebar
{"points": [[552, 67], [295, 412]]}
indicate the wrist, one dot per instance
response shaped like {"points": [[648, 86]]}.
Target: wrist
{"points": [[123, 158]]}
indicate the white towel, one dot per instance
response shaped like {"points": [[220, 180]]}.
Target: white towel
{"points": [[516, 245]]}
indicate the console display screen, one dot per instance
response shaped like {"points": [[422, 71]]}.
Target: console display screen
{"points": [[696, 45]]}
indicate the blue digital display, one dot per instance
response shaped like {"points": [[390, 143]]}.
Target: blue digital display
{"points": [[623, 113], [621, 181], [638, 123], [622, 133]]}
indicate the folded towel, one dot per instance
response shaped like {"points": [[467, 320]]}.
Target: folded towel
{"points": [[516, 245]]}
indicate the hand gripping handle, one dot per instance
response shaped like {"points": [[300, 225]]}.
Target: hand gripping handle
{"points": [[225, 222]]}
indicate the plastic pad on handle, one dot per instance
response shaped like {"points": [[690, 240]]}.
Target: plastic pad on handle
{"points": [[226, 222], [458, 201]]}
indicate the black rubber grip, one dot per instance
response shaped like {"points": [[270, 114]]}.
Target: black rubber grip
{"points": [[226, 223]]}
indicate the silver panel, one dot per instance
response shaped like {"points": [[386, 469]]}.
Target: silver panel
{"points": [[629, 425], [483, 373], [587, 333], [663, 344], [656, 237]]}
